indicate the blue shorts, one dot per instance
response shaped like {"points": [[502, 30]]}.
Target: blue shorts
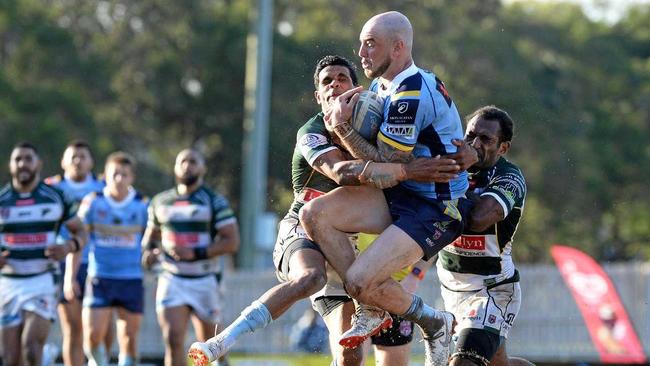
{"points": [[431, 223], [106, 292], [82, 273]]}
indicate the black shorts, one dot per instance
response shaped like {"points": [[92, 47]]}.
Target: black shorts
{"points": [[324, 305], [433, 224], [478, 345], [399, 334]]}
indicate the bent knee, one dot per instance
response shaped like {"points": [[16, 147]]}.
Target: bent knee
{"points": [[310, 281], [357, 283]]}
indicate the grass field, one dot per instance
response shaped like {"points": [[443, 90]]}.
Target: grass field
{"points": [[295, 360]]}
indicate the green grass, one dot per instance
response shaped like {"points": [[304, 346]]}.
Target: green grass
{"points": [[294, 359]]}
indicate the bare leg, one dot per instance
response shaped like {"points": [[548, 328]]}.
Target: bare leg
{"points": [[128, 326], [501, 358], [34, 335], [392, 355], [173, 322], [338, 322], [10, 348], [328, 218], [95, 323], [72, 331]]}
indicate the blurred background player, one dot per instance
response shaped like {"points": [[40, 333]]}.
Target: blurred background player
{"points": [[116, 218], [479, 282], [195, 227], [76, 182], [31, 213], [319, 165]]}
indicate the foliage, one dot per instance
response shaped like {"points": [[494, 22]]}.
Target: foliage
{"points": [[154, 76]]}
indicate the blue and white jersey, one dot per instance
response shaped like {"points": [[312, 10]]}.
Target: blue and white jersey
{"points": [[76, 191], [115, 234], [420, 117]]}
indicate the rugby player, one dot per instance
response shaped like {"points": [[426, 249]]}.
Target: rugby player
{"points": [[190, 227], [76, 181], [31, 214], [319, 165], [479, 282], [415, 219], [115, 218]]}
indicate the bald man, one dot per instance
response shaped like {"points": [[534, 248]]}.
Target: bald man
{"points": [[415, 219], [191, 226]]}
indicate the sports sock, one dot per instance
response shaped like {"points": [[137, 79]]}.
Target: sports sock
{"points": [[125, 360], [255, 316], [423, 315], [97, 356]]}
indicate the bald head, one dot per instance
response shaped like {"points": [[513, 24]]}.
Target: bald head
{"points": [[394, 26], [189, 167]]}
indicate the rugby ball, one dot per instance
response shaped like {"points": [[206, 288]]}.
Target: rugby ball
{"points": [[367, 115]]}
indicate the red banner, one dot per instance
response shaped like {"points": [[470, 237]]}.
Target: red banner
{"points": [[607, 321]]}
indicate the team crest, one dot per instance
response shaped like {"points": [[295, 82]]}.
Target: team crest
{"points": [[402, 107]]}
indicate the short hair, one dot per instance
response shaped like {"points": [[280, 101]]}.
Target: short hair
{"points": [[122, 158], [335, 60], [79, 144], [492, 113], [26, 145]]}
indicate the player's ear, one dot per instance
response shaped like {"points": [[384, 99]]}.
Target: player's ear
{"points": [[316, 97], [504, 147]]}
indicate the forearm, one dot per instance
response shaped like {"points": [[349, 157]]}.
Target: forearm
{"points": [[224, 244], [355, 144], [72, 261]]}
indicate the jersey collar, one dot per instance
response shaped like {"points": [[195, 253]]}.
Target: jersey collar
{"points": [[122, 203], [392, 86]]}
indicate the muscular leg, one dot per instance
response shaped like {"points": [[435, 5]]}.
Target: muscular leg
{"points": [[72, 331], [338, 322], [34, 335], [501, 358], [95, 323], [10, 347], [392, 355], [173, 322], [328, 218], [128, 326]]}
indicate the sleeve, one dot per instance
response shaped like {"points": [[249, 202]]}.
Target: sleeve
{"points": [[85, 209], [152, 219], [313, 142], [402, 120], [70, 206], [222, 213], [508, 188]]}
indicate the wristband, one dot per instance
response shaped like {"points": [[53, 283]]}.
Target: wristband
{"points": [[77, 246], [418, 273], [201, 253]]}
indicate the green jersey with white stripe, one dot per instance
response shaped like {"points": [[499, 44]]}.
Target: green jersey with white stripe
{"points": [[29, 223], [189, 221], [312, 141], [476, 260]]}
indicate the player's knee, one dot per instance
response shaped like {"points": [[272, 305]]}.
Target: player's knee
{"points": [[174, 337], [308, 215], [357, 283], [467, 359], [311, 281], [33, 352]]}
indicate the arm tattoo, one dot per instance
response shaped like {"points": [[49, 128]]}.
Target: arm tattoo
{"points": [[356, 144], [391, 154], [348, 172]]}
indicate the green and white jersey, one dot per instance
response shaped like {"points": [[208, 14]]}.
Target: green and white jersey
{"points": [[476, 260], [189, 221], [312, 141], [29, 223]]}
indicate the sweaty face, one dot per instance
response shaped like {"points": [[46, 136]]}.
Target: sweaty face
{"points": [[119, 177], [189, 167], [332, 81], [77, 162], [24, 165], [374, 51], [484, 135]]}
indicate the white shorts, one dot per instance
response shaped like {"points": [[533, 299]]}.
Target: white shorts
{"points": [[36, 294], [203, 295], [494, 309]]}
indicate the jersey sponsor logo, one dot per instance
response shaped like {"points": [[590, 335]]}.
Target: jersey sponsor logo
{"points": [[36, 212], [470, 242], [116, 240], [182, 239], [25, 239], [440, 86], [313, 140], [26, 202], [403, 111], [402, 107], [309, 194], [401, 130], [190, 212]]}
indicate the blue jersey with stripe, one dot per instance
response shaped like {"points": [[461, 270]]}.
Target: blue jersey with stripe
{"points": [[115, 234], [421, 118], [76, 191]]}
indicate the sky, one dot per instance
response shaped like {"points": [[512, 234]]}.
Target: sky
{"points": [[601, 10]]}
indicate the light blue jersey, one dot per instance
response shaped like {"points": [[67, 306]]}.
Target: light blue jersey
{"points": [[76, 191], [420, 117], [115, 234]]}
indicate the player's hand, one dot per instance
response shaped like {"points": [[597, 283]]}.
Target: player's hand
{"points": [[150, 257], [58, 251], [439, 170], [466, 155], [340, 109], [182, 253], [3, 257]]}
